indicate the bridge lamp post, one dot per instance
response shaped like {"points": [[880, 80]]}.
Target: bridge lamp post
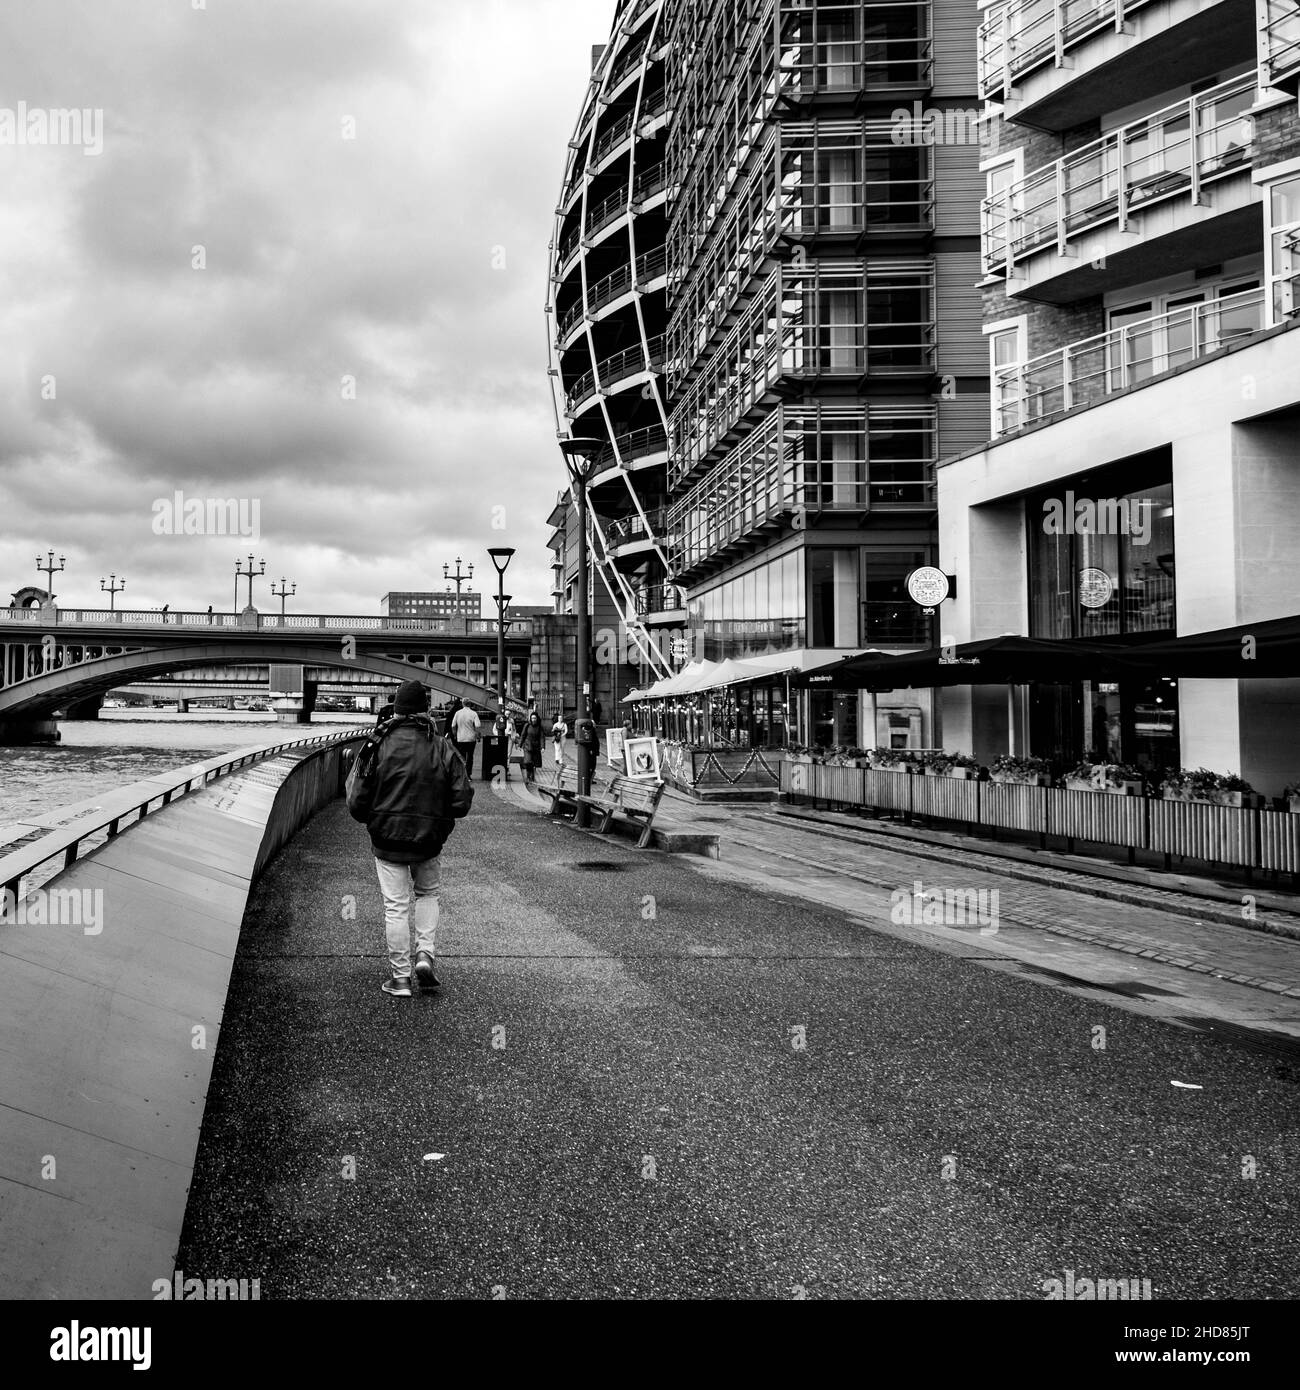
{"points": [[47, 566], [500, 555], [458, 576], [112, 588], [580, 459], [281, 593], [249, 573]]}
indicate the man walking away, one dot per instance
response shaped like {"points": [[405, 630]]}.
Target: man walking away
{"points": [[409, 799], [464, 731]]}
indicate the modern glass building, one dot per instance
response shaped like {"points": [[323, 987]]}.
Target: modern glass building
{"points": [[764, 296], [1141, 262]]}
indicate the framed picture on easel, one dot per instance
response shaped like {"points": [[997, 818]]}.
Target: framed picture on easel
{"points": [[642, 758], [614, 755]]}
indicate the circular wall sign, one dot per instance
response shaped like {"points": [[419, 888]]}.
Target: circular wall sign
{"points": [[927, 586], [1095, 588]]}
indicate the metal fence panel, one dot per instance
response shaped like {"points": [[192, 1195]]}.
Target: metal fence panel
{"points": [[1222, 834], [1103, 817]]}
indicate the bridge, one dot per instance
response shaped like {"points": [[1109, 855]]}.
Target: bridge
{"points": [[68, 658]]}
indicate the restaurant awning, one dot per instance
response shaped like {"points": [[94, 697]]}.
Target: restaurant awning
{"points": [[1265, 650], [1006, 660]]}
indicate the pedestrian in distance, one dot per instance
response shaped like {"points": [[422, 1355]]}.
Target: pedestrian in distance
{"points": [[559, 732], [452, 710], [595, 711], [408, 789], [532, 745], [465, 734]]}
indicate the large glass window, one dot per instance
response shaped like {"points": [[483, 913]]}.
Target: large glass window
{"points": [[833, 590], [1101, 566]]}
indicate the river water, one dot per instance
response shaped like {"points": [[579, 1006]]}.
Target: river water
{"points": [[124, 746]]}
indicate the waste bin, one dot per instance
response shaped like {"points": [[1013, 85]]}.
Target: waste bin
{"points": [[496, 753]]}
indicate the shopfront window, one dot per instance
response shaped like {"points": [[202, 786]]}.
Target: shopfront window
{"points": [[833, 588], [1101, 566]]}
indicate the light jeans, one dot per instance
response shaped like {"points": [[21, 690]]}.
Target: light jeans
{"points": [[396, 882]]}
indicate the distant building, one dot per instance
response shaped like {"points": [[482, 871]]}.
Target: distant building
{"points": [[430, 605]]}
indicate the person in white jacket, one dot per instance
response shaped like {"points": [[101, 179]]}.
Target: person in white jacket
{"points": [[465, 734], [559, 732]]}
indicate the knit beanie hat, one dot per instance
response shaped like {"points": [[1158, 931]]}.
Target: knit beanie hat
{"points": [[412, 698]]}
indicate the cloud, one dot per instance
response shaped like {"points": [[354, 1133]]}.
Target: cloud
{"points": [[359, 344]]}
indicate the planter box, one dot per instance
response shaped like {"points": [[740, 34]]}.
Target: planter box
{"points": [[958, 774], [891, 767], [1216, 798], [1040, 780], [1086, 784], [1293, 805]]}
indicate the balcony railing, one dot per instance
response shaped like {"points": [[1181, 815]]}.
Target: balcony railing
{"points": [[659, 598], [1027, 33], [1174, 153], [1280, 41], [806, 69], [767, 478], [632, 528], [1085, 372], [626, 63], [619, 131], [622, 365], [606, 290], [635, 444]]}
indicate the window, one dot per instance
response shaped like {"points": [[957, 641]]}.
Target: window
{"points": [[833, 590], [999, 175], [1283, 248], [1007, 351]]}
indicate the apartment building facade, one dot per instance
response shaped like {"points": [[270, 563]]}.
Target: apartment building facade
{"points": [[809, 346], [1141, 283]]}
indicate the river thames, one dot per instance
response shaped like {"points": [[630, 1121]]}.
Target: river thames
{"points": [[124, 746]]}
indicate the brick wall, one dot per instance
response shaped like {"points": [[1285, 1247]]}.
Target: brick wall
{"points": [[1277, 134], [1049, 326]]}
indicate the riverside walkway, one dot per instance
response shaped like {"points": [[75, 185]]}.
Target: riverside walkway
{"points": [[661, 1076]]}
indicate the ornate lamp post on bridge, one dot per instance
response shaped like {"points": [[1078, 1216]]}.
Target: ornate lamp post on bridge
{"points": [[249, 573], [112, 588], [51, 569], [458, 576], [281, 593], [580, 459]]}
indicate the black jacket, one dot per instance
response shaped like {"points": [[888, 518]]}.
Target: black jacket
{"points": [[416, 791]]}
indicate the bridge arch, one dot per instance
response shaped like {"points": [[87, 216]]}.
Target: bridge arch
{"points": [[30, 596], [40, 695]]}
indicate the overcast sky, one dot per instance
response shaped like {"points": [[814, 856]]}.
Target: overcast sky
{"points": [[411, 258]]}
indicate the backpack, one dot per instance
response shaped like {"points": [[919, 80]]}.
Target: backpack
{"points": [[359, 788]]}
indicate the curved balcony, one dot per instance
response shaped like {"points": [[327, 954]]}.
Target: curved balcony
{"points": [[632, 536], [1060, 63], [612, 371], [661, 604], [1169, 161]]}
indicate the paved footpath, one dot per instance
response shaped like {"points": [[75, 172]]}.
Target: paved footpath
{"points": [[654, 1076]]}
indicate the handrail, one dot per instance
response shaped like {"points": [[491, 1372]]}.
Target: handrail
{"points": [[1090, 369], [622, 365], [1110, 178], [136, 620], [136, 800], [1280, 38]]}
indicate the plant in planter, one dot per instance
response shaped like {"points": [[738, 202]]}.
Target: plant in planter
{"points": [[893, 759], [1291, 795], [945, 764], [1105, 777], [1200, 784], [1006, 767]]}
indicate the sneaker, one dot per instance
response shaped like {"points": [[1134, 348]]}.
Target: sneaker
{"points": [[424, 970], [399, 986]]}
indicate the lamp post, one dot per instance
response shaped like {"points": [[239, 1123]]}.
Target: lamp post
{"points": [[281, 593], [500, 555], [112, 588], [241, 573], [580, 458], [49, 567], [459, 577]]}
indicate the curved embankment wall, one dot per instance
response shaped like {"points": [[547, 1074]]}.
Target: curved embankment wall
{"points": [[108, 1027]]}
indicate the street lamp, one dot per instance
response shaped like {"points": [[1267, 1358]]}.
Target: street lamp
{"points": [[580, 459], [49, 567], [500, 555], [458, 576], [241, 573], [112, 588], [281, 593]]}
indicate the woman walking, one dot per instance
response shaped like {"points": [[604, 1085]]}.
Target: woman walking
{"points": [[532, 745]]}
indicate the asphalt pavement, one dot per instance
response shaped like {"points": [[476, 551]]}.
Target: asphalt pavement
{"points": [[648, 1076]]}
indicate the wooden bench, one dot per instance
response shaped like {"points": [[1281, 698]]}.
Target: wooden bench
{"points": [[634, 799], [559, 783]]}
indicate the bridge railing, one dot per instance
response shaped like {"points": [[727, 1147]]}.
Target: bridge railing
{"points": [[129, 805], [259, 622]]}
